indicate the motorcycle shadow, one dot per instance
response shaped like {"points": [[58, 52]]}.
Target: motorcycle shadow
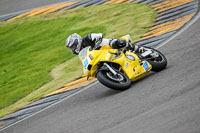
{"points": [[143, 78], [111, 92], [106, 92], [149, 75]]}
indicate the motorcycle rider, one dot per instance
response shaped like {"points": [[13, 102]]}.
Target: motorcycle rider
{"points": [[95, 40]]}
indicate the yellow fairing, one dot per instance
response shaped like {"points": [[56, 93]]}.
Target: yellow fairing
{"points": [[132, 68], [135, 69]]}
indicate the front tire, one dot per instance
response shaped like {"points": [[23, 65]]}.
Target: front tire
{"points": [[106, 80]]}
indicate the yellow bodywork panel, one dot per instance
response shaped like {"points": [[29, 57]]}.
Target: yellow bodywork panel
{"points": [[134, 68]]}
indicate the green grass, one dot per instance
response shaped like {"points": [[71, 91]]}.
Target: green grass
{"points": [[31, 47]]}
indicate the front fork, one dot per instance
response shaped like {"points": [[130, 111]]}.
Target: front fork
{"points": [[111, 69]]}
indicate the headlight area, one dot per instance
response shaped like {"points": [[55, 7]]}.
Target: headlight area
{"points": [[130, 57]]}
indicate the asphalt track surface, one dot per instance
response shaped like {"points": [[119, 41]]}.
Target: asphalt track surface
{"points": [[163, 102]]}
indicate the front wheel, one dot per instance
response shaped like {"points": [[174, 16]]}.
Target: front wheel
{"points": [[116, 82]]}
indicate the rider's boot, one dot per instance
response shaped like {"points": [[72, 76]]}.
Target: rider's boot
{"points": [[136, 48], [139, 49]]}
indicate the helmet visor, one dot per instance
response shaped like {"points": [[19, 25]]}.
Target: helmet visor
{"points": [[73, 47]]}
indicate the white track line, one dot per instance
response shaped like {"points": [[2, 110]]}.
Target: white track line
{"points": [[180, 31], [85, 88]]}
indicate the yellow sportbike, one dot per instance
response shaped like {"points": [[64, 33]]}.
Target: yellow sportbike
{"points": [[117, 68]]}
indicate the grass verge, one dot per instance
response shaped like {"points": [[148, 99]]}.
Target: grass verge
{"points": [[30, 48]]}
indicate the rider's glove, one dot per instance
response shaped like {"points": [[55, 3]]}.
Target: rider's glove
{"points": [[117, 44], [121, 43]]}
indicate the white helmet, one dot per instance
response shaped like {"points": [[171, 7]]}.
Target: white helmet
{"points": [[73, 42]]}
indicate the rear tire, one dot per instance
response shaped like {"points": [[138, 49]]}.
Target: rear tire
{"points": [[158, 63], [116, 85]]}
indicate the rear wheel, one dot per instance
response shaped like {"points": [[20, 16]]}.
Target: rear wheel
{"points": [[116, 82], [158, 63]]}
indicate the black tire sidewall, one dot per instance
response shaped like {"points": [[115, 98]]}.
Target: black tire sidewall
{"points": [[113, 85]]}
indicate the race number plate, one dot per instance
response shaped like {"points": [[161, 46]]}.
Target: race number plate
{"points": [[146, 66]]}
